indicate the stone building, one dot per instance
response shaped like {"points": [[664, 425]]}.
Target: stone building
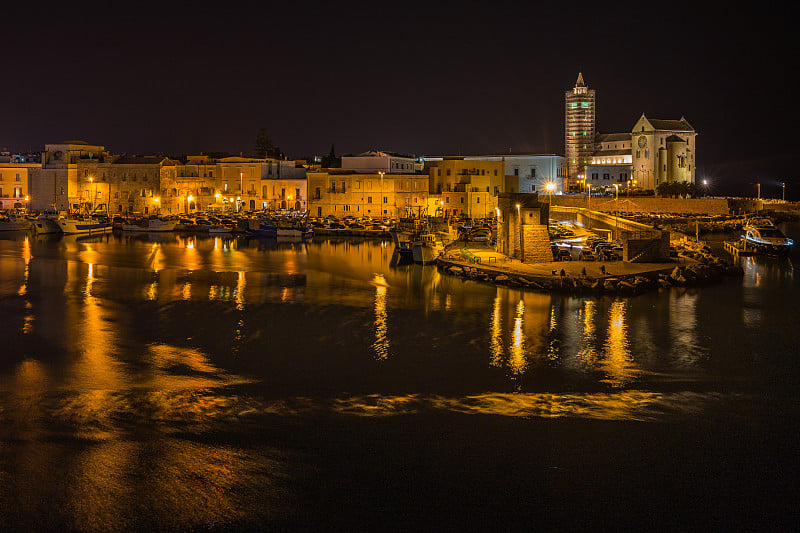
{"points": [[663, 152], [341, 192], [76, 175], [374, 162], [14, 179], [466, 186], [522, 228], [580, 119]]}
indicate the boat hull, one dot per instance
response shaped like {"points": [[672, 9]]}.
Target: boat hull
{"points": [[82, 226]]}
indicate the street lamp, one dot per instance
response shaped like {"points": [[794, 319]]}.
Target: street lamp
{"points": [[549, 187], [783, 185], [616, 192], [759, 190], [189, 200]]}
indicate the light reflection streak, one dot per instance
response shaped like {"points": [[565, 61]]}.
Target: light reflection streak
{"points": [[241, 283], [186, 291], [618, 363], [381, 344], [496, 340], [516, 360]]}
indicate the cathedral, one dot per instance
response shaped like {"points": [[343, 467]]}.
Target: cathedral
{"points": [[654, 151]]}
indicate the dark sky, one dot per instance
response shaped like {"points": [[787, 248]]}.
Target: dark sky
{"points": [[409, 77]]}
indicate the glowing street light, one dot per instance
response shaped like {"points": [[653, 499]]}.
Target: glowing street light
{"points": [[759, 190], [381, 173], [550, 187], [783, 185], [616, 192]]}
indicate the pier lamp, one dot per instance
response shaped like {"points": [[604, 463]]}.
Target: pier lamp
{"points": [[549, 187], [616, 191]]}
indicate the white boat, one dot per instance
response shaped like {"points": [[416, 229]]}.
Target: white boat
{"points": [[762, 235], [46, 222], [83, 225], [425, 248]]}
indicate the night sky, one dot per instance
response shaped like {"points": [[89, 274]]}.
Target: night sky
{"points": [[423, 79]]}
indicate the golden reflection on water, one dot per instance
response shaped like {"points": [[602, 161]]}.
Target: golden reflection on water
{"points": [[381, 344], [624, 405], [241, 284], [186, 291], [516, 359], [496, 332], [618, 364]]}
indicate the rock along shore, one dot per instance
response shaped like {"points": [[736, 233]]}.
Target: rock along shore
{"points": [[695, 265]]}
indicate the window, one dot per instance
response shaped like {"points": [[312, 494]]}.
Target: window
{"points": [[462, 199], [447, 200], [606, 176], [369, 199], [646, 154], [17, 177], [317, 194], [638, 154], [516, 171], [448, 171], [478, 200]]}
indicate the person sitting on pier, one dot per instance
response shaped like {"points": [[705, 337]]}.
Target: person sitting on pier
{"points": [[603, 269]]}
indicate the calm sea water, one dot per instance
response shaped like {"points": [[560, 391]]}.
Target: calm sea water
{"points": [[182, 382]]}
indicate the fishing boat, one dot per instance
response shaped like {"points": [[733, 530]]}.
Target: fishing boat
{"points": [[425, 248], [46, 222], [84, 224], [763, 236]]}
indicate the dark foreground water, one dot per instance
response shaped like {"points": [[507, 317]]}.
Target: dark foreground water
{"points": [[172, 382]]}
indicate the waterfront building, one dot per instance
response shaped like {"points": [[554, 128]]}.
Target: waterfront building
{"points": [[378, 161], [14, 184], [580, 116], [610, 164], [341, 192], [75, 175], [663, 152], [466, 186]]}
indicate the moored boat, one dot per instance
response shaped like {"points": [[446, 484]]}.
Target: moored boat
{"points": [[763, 236], [425, 248], [85, 224]]}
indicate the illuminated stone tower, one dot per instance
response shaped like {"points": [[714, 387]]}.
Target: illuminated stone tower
{"points": [[580, 121]]}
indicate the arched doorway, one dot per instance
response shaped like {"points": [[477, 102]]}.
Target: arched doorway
{"points": [[297, 206], [252, 205], [283, 204]]}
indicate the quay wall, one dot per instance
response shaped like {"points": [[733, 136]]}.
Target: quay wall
{"points": [[708, 206]]}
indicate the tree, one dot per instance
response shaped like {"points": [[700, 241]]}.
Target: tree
{"points": [[331, 161], [664, 189], [264, 145]]}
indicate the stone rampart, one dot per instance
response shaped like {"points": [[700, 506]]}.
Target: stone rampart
{"points": [[707, 206]]}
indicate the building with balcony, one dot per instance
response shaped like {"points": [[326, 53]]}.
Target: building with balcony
{"points": [[341, 192], [466, 186], [14, 184]]}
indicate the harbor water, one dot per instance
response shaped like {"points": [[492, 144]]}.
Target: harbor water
{"points": [[177, 382]]}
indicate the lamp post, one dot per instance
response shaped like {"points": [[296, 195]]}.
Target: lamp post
{"points": [[549, 186], [783, 186], [759, 190], [241, 189], [189, 200], [616, 192]]}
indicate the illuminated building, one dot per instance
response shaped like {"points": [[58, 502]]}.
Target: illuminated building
{"points": [[579, 130], [341, 192], [663, 152], [14, 179], [466, 185]]}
